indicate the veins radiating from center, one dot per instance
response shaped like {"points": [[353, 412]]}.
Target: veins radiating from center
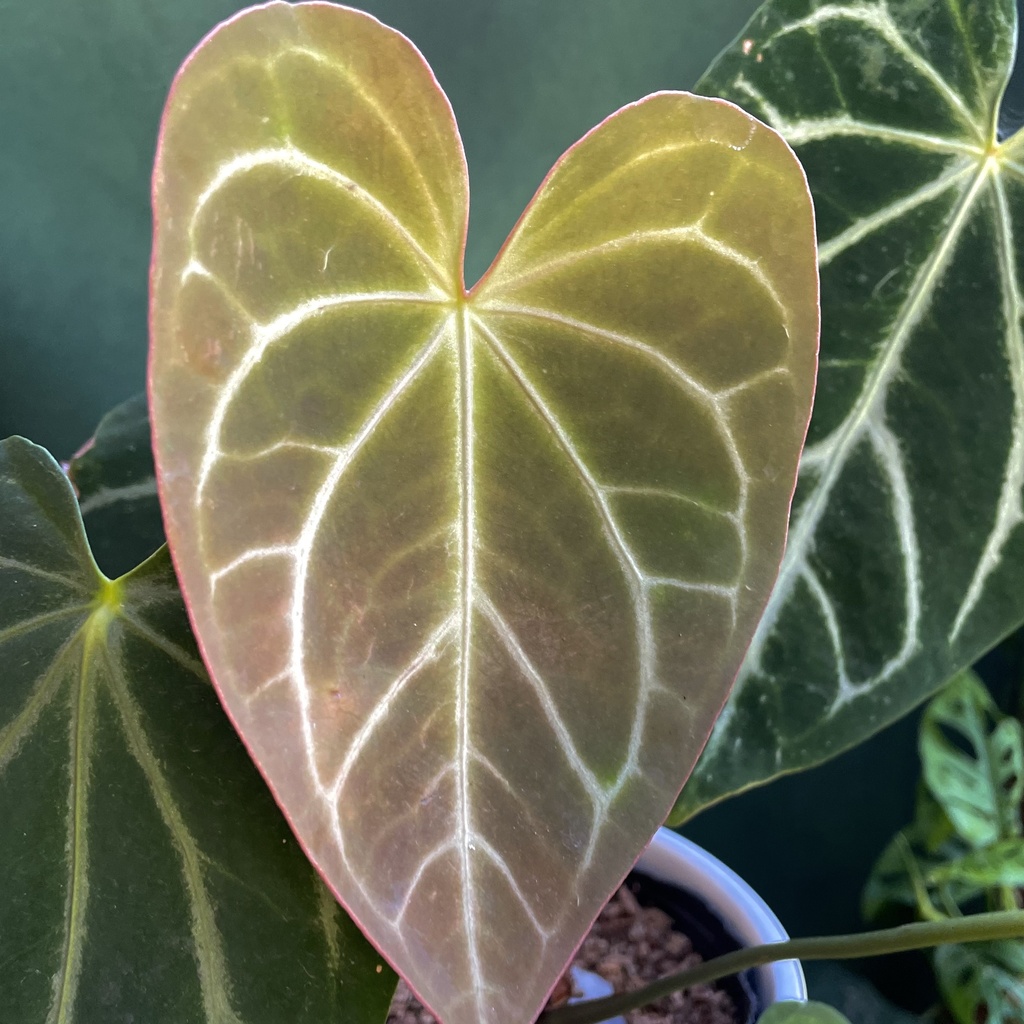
{"points": [[467, 560]]}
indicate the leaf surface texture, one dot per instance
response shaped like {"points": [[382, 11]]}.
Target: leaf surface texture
{"points": [[905, 552], [473, 571]]}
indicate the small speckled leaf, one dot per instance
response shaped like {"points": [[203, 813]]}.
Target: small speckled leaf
{"points": [[473, 573], [147, 874], [906, 553], [966, 833], [792, 1012], [972, 759], [116, 485], [1001, 864]]}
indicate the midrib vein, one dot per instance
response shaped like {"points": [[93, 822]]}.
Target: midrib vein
{"points": [[467, 559], [81, 729]]}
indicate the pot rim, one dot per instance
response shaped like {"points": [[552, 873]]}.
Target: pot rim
{"points": [[679, 861]]}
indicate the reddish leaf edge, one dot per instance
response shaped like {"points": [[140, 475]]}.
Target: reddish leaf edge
{"points": [[479, 285], [465, 295]]}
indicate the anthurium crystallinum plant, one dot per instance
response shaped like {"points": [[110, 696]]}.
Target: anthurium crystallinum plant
{"points": [[472, 570]]}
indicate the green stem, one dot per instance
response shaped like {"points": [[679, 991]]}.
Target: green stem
{"points": [[1004, 924]]}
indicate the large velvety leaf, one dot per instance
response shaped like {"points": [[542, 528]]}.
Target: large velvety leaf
{"points": [[116, 484], [473, 571], [147, 874], [906, 550]]}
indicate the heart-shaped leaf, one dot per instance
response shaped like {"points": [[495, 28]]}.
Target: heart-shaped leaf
{"points": [[116, 484], [147, 874], [906, 553], [473, 571]]}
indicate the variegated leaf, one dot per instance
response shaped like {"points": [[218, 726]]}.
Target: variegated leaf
{"points": [[147, 874]]}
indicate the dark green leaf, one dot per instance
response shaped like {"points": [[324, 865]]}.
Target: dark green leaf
{"points": [[116, 486], [81, 89], [147, 874], [906, 549]]}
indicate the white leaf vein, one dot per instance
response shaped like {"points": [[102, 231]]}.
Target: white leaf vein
{"points": [[400, 137], [632, 574], [689, 233], [311, 528], [806, 130], [291, 158], [79, 583], [104, 497], [878, 18], [481, 844], [266, 335], [164, 643], [596, 792], [208, 945], [885, 215], [428, 653]]}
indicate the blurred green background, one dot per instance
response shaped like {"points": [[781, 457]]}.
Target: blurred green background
{"points": [[82, 83]]}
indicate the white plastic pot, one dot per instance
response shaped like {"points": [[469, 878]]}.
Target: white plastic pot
{"points": [[674, 860]]}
